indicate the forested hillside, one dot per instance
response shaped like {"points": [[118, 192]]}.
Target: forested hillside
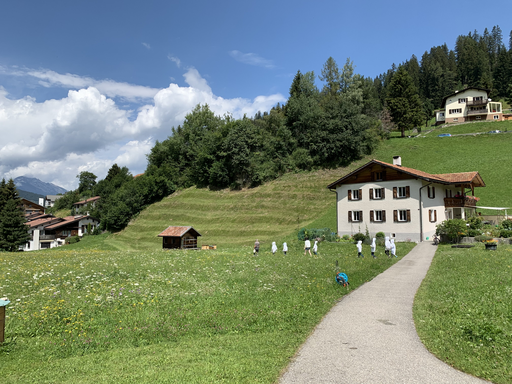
{"points": [[345, 120]]}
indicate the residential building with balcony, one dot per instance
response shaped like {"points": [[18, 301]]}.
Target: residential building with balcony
{"points": [[471, 104], [402, 202]]}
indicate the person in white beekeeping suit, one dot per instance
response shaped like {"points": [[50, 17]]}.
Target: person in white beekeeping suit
{"points": [[387, 245], [373, 247], [274, 247]]}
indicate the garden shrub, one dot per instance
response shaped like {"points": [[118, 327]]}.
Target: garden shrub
{"points": [[359, 237], [506, 233], [453, 229], [314, 233], [72, 239], [345, 237], [483, 238], [474, 222], [507, 224], [474, 232], [380, 235]]}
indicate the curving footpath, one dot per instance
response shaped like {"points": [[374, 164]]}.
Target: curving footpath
{"points": [[369, 336]]}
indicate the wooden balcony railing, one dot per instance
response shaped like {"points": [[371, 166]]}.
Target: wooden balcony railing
{"points": [[460, 202], [483, 101], [477, 112]]}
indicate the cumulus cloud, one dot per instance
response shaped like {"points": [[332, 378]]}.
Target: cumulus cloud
{"points": [[251, 59], [55, 140]]}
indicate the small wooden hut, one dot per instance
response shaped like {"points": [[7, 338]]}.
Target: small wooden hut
{"points": [[179, 238]]}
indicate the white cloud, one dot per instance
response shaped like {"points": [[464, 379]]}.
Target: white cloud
{"points": [[55, 140], [110, 88], [251, 59], [175, 60], [146, 45]]}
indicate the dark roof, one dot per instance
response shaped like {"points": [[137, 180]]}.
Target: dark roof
{"points": [[69, 220], [467, 89], [445, 178], [87, 201], [178, 232]]}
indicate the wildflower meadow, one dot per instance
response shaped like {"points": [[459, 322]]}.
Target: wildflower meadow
{"points": [[220, 315]]}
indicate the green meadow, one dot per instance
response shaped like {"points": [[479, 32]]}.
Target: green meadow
{"points": [[119, 306]]}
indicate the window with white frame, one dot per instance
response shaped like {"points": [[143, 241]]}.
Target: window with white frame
{"points": [[376, 193], [462, 101], [402, 192], [402, 215], [432, 215], [379, 216], [355, 194], [456, 110], [456, 119], [496, 117], [355, 216]]}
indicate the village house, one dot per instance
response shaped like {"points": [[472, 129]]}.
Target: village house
{"points": [[49, 200], [47, 231], [471, 104], [29, 207], [404, 203], [87, 203]]}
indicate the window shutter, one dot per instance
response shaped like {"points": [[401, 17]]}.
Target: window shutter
{"points": [[430, 215], [383, 216], [350, 194], [435, 216], [395, 215], [407, 191], [394, 192], [360, 194], [429, 194], [433, 192], [349, 216], [408, 215], [371, 216], [371, 193], [382, 190]]}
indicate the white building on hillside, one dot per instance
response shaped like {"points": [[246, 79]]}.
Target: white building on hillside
{"points": [[404, 203]]}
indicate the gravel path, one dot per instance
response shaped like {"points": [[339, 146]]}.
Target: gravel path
{"points": [[369, 336]]}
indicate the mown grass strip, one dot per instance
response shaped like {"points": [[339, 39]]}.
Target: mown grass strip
{"points": [[463, 310]]}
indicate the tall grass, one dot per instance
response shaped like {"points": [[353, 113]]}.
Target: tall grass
{"points": [[179, 316]]}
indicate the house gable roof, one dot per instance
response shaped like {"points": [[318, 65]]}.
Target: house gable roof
{"points": [[178, 232], [488, 91], [470, 178], [87, 201], [45, 222], [69, 220]]}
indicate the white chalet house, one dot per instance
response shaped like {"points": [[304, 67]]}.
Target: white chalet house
{"points": [[470, 104], [404, 203]]}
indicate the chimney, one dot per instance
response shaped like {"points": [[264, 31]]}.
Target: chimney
{"points": [[397, 160]]}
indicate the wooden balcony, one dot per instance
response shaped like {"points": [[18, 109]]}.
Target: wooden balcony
{"points": [[460, 202], [473, 103], [47, 237], [477, 112]]}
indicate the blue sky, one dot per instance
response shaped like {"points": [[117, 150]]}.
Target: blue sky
{"points": [[85, 84]]}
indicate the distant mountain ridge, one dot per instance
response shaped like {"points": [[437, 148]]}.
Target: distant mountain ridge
{"points": [[31, 184], [33, 197]]}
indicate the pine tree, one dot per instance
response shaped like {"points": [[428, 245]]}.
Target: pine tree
{"points": [[13, 231], [404, 102]]}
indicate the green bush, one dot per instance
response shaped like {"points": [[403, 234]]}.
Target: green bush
{"points": [[483, 238], [72, 239], [359, 237], [314, 233], [380, 235], [345, 237], [506, 233], [474, 222], [474, 232], [507, 224], [453, 229]]}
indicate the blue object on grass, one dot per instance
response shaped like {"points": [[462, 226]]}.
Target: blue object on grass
{"points": [[3, 303], [444, 135]]}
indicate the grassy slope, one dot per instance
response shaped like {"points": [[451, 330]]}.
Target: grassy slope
{"points": [[280, 207]]}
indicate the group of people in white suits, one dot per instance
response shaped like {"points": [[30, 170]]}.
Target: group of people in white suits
{"points": [[390, 248]]}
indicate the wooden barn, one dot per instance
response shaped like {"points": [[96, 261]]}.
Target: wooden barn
{"points": [[179, 238]]}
